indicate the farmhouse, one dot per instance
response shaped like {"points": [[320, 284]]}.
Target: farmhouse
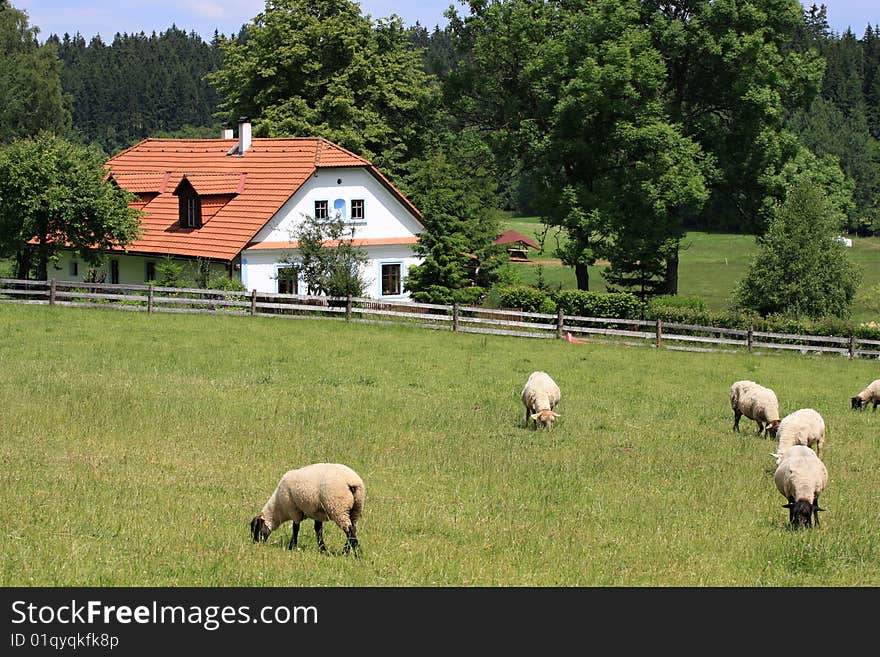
{"points": [[232, 206]]}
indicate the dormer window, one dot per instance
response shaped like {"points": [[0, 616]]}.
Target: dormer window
{"points": [[190, 209]]}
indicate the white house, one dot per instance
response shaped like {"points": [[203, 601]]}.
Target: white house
{"points": [[233, 205]]}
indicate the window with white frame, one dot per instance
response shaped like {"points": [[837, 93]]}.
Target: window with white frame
{"points": [[321, 210], [391, 283], [357, 209]]}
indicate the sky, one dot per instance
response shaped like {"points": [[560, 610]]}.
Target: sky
{"points": [[107, 17]]}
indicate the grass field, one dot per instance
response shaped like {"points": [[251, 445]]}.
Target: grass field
{"points": [[137, 448], [710, 266]]}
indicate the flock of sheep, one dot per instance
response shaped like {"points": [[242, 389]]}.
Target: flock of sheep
{"points": [[800, 473], [334, 492]]}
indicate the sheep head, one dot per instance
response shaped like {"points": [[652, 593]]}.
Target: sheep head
{"points": [[545, 417], [800, 513], [772, 427], [857, 403], [260, 529]]}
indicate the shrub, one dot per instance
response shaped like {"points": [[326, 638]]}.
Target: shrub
{"points": [[469, 296], [620, 305], [525, 297], [223, 282], [434, 294]]}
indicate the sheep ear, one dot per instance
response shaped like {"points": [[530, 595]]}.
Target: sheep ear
{"points": [[535, 416], [555, 414], [787, 506], [819, 508]]}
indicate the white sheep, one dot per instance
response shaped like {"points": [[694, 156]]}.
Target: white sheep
{"points": [[540, 396], [870, 395], [800, 477], [802, 427], [757, 403], [320, 491]]}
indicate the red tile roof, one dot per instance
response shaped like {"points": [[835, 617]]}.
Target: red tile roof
{"points": [[512, 237], [261, 181]]}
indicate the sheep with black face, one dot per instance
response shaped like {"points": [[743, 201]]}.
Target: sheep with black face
{"points": [[800, 477], [320, 491], [870, 395]]}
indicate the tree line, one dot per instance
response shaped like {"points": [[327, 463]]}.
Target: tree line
{"points": [[621, 123]]}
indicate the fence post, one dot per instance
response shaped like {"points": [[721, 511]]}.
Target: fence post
{"points": [[253, 302], [852, 346], [348, 307], [659, 332], [749, 337], [559, 323], [150, 299], [455, 315], [52, 292]]}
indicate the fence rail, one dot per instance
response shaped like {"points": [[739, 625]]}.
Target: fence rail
{"points": [[465, 319]]}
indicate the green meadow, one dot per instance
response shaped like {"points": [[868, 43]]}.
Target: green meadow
{"points": [[136, 448]]}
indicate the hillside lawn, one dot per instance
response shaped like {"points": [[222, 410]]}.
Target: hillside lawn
{"points": [[710, 265], [136, 448]]}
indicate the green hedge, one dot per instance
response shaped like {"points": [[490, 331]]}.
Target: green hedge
{"points": [[527, 298], [620, 305]]}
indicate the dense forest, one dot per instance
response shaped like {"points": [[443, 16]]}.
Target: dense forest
{"points": [[622, 123], [138, 86]]}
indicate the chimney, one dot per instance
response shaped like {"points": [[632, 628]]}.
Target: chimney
{"points": [[226, 130], [244, 135]]}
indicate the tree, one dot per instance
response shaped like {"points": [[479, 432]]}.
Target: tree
{"points": [[53, 196], [574, 93], [329, 261], [733, 73], [453, 189], [318, 68], [800, 269], [31, 98]]}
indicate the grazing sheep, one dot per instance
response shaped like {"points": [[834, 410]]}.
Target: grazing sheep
{"points": [[870, 395], [757, 403], [540, 396], [800, 477], [803, 427], [320, 491]]}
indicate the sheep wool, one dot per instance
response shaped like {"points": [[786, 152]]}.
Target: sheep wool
{"points": [[800, 477], [803, 427], [540, 396], [757, 403], [870, 395], [320, 491]]}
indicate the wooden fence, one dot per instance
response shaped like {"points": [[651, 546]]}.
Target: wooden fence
{"points": [[465, 319]]}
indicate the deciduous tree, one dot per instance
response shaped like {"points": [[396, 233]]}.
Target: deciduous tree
{"points": [[53, 196]]}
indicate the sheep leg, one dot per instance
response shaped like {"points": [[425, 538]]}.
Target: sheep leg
{"points": [[736, 416], [352, 542], [293, 536], [319, 535], [816, 509]]}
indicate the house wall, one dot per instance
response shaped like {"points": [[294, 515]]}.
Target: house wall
{"points": [[132, 269], [384, 217], [260, 268]]}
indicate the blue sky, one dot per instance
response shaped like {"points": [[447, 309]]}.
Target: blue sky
{"points": [[107, 17]]}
